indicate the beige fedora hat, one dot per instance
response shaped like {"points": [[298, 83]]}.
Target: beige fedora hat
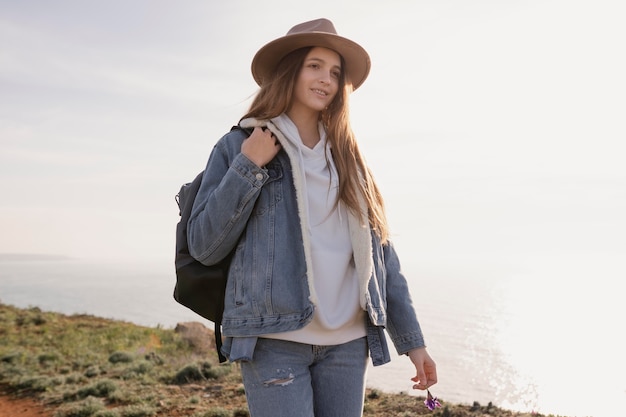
{"points": [[319, 32]]}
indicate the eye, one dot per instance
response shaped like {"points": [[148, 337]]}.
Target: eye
{"points": [[336, 74]]}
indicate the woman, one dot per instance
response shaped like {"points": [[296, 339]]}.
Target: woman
{"points": [[314, 278]]}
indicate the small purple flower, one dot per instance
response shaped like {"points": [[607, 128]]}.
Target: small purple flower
{"points": [[431, 402]]}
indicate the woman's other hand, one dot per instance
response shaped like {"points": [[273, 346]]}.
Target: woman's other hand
{"points": [[425, 369]]}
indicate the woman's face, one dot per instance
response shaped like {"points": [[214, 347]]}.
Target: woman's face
{"points": [[318, 81]]}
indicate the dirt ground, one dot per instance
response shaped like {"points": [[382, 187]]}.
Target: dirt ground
{"points": [[22, 407]]}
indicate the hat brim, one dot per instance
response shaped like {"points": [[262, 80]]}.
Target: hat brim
{"points": [[357, 60]]}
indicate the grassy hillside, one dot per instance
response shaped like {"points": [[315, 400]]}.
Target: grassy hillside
{"points": [[85, 366]]}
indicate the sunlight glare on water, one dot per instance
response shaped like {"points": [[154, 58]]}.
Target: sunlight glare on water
{"points": [[558, 327]]}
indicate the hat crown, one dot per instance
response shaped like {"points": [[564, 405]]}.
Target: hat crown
{"points": [[318, 25]]}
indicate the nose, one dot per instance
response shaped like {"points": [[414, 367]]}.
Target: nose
{"points": [[325, 77]]}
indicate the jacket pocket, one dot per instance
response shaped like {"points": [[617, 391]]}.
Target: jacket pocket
{"points": [[236, 277]]}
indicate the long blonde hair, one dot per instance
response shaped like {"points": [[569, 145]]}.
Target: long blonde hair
{"points": [[355, 178]]}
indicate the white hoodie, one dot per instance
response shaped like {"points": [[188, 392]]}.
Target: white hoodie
{"points": [[338, 316]]}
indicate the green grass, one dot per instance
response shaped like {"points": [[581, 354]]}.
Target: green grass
{"points": [[86, 366]]}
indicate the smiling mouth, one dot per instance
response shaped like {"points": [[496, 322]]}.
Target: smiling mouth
{"points": [[320, 92]]}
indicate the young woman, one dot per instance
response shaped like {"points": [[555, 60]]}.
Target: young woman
{"points": [[314, 278]]}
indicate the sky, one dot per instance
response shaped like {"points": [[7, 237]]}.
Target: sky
{"points": [[493, 127]]}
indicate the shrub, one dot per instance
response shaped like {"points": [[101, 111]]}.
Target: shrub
{"points": [[74, 378], [12, 358], [38, 383], [107, 413], [200, 372], [87, 408], [215, 372], [137, 411], [188, 374], [122, 397], [217, 412], [120, 357], [92, 371], [39, 320], [11, 372], [209, 372], [154, 358], [143, 367], [373, 395], [99, 389], [45, 358]]}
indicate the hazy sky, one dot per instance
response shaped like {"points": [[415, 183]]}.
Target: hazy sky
{"points": [[494, 127]]}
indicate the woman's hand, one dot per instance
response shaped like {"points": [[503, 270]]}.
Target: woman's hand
{"points": [[261, 147], [425, 368]]}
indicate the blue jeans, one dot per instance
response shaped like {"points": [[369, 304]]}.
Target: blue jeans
{"points": [[287, 379]]}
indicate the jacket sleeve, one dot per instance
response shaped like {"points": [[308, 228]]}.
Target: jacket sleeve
{"points": [[402, 323], [230, 186]]}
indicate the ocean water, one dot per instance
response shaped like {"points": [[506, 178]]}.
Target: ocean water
{"points": [[544, 335]]}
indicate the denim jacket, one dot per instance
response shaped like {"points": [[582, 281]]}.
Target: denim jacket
{"points": [[256, 214]]}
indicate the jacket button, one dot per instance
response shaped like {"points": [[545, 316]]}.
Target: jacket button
{"points": [[259, 176]]}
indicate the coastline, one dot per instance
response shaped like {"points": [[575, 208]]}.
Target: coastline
{"points": [[68, 365]]}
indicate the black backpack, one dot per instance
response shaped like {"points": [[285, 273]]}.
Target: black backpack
{"points": [[199, 287]]}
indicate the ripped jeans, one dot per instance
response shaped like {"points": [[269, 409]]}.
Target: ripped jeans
{"points": [[288, 379]]}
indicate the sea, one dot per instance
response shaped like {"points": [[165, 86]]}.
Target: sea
{"points": [[545, 335]]}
